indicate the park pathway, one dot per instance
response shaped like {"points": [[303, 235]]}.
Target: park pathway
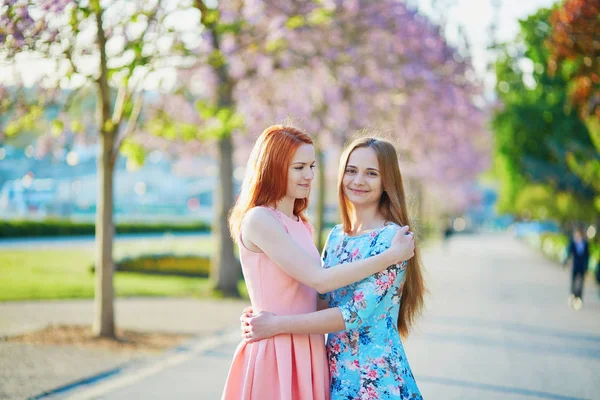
{"points": [[497, 326]]}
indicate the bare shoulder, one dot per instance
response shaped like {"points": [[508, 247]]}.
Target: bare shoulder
{"points": [[256, 214], [261, 221]]}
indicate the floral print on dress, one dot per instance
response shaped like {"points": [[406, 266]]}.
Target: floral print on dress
{"points": [[367, 360]]}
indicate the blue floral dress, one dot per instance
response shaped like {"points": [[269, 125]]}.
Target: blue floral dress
{"points": [[367, 359]]}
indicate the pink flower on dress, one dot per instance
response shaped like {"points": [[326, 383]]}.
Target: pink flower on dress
{"points": [[368, 393], [380, 361], [358, 296], [333, 367], [371, 373], [382, 284], [354, 253]]}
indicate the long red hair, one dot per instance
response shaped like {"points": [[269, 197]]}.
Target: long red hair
{"points": [[392, 206], [266, 177]]}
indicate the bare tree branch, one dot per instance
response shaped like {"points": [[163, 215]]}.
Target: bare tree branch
{"points": [[131, 122]]}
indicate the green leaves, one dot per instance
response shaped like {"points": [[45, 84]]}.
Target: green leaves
{"points": [[108, 126], [134, 152], [234, 28], [77, 126], [320, 16], [57, 127], [587, 169], [593, 125], [295, 22], [216, 59], [540, 145], [217, 122], [220, 121], [26, 122], [162, 126], [206, 111], [210, 17], [539, 201], [276, 45]]}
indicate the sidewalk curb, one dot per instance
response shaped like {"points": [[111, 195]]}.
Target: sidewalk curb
{"points": [[132, 371], [85, 381]]}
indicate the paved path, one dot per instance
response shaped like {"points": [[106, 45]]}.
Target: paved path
{"points": [[154, 314], [497, 326], [27, 370]]}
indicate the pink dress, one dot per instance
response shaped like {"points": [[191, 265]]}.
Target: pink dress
{"points": [[288, 366]]}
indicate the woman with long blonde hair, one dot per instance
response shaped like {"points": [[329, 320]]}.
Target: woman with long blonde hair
{"points": [[283, 272], [365, 320]]}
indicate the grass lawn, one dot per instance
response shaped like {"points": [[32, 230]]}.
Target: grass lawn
{"points": [[62, 273]]}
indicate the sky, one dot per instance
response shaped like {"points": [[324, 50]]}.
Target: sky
{"points": [[473, 15]]}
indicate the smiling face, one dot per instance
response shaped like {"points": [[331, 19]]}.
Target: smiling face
{"points": [[301, 172], [362, 183]]}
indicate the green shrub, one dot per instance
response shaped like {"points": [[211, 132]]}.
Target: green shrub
{"points": [[56, 227], [165, 264]]}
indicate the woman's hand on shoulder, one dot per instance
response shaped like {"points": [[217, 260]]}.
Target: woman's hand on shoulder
{"points": [[402, 246]]}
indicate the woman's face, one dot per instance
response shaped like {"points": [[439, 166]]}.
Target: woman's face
{"points": [[362, 183], [301, 172]]}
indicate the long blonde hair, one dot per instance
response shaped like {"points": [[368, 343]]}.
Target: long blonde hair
{"points": [[266, 177], [392, 206]]}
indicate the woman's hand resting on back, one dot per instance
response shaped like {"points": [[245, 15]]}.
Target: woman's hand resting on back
{"points": [[259, 326]]}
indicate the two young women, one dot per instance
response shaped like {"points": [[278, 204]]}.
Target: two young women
{"points": [[370, 265]]}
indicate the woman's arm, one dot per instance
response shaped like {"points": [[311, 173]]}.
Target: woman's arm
{"points": [[263, 230], [322, 302], [265, 324], [365, 300]]}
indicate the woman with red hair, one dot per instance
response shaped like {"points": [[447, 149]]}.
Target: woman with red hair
{"points": [[366, 319], [283, 272]]}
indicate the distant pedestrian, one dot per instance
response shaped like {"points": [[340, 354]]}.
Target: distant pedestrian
{"points": [[448, 231], [579, 252]]}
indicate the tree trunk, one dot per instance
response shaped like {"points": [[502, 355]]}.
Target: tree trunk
{"points": [[225, 271], [104, 321], [321, 191]]}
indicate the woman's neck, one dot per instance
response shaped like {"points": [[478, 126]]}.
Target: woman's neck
{"points": [[366, 218], [286, 206]]}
